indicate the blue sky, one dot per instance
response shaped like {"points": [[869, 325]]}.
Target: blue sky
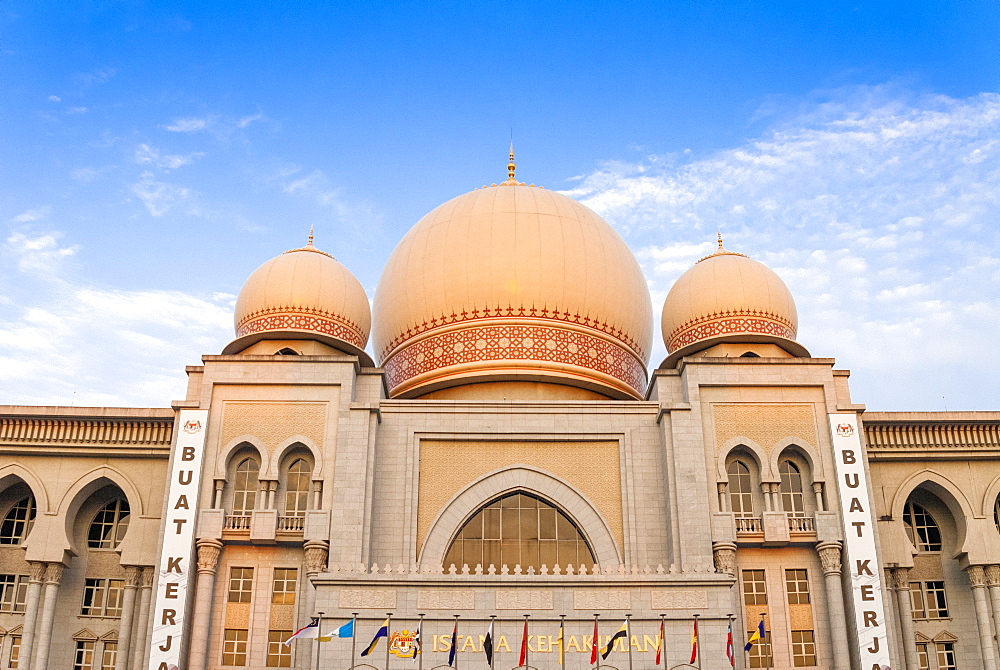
{"points": [[153, 154]]}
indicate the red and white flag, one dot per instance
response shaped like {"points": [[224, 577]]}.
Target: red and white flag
{"points": [[524, 645], [729, 646], [594, 645], [694, 643], [659, 644]]}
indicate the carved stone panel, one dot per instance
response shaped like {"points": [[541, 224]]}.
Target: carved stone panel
{"points": [[602, 600], [367, 599], [679, 600], [446, 600], [524, 600]]}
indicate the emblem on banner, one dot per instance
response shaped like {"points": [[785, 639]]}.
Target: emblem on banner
{"points": [[845, 429], [401, 644], [192, 426]]}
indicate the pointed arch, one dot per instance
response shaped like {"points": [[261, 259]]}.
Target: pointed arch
{"points": [[947, 491], [11, 470], [798, 447], [469, 500], [85, 486], [281, 452], [227, 453], [751, 448]]}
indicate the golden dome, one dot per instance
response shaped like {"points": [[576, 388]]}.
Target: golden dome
{"points": [[728, 297], [513, 282], [303, 294]]}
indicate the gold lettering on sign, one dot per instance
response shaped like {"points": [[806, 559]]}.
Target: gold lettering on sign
{"points": [[367, 599], [602, 600], [679, 600], [524, 600], [446, 600]]}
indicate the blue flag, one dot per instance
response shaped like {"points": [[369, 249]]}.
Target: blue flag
{"points": [[382, 632], [454, 645], [757, 636], [347, 630]]}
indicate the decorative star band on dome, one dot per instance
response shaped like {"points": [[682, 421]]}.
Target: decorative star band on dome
{"points": [[721, 251]]}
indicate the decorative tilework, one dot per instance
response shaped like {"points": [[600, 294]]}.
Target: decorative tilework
{"points": [[302, 319], [679, 600], [725, 323], [523, 599], [274, 422], [764, 424]]}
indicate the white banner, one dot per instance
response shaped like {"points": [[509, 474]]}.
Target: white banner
{"points": [[859, 535], [176, 557]]}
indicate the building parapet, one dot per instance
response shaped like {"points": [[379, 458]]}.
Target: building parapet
{"points": [[931, 434], [85, 427]]}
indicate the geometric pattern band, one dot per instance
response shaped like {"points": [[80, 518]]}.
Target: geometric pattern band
{"points": [[535, 344], [314, 320], [729, 323]]}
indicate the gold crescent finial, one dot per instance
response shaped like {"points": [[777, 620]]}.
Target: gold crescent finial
{"points": [[720, 239], [310, 242], [510, 166]]}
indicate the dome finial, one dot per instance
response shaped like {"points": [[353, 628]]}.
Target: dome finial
{"points": [[720, 239], [510, 166], [310, 242]]}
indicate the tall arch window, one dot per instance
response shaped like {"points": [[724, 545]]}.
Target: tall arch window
{"points": [[519, 529], [921, 528], [245, 487], [996, 512], [109, 526], [17, 523], [740, 489], [791, 489], [297, 488]]}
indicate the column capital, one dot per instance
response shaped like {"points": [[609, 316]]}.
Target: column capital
{"points": [[133, 575], [900, 578], [817, 487], [977, 576], [993, 575], [53, 574], [725, 557], [148, 573], [829, 556], [37, 570], [208, 555], [316, 555]]}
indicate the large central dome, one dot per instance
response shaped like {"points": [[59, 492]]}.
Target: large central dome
{"points": [[513, 283]]}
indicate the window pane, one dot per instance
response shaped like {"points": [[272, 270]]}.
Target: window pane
{"points": [[108, 528], [278, 654], [110, 656], [240, 585], [754, 588], [234, 647], [283, 590]]}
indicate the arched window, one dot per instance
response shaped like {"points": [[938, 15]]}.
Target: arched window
{"points": [[921, 528], [740, 489], [519, 529], [996, 512], [245, 487], [297, 488], [18, 522], [791, 489], [108, 528], [749, 354], [287, 351]]}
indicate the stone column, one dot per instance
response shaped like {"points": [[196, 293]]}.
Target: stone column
{"points": [[32, 598], [977, 577], [904, 611], [829, 556], [132, 574], [818, 491], [722, 487], [53, 575], [993, 582], [217, 497], [315, 562], [201, 624], [765, 488], [141, 646]]}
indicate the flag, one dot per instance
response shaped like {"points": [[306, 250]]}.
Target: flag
{"points": [[524, 645], [594, 645], [416, 642], [694, 643], [347, 630], [382, 632], [729, 646], [757, 635], [454, 645], [562, 658], [488, 645], [619, 634], [310, 631], [659, 644]]}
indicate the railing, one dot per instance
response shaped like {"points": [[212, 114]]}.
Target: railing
{"points": [[236, 522], [749, 524], [291, 524], [801, 524]]}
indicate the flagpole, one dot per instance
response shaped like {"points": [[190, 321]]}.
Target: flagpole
{"points": [[628, 638], [663, 642], [562, 640], [319, 633], [354, 636], [493, 618], [597, 643], [388, 637], [420, 650], [456, 642], [527, 647], [766, 641]]}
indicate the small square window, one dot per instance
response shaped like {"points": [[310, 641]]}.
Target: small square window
{"points": [[754, 588], [240, 585], [285, 583], [279, 655], [234, 646], [803, 648]]}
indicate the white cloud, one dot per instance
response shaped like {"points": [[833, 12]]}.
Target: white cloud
{"points": [[247, 120], [76, 110], [33, 214], [158, 196], [40, 255], [187, 125], [55, 98], [146, 154], [882, 217]]}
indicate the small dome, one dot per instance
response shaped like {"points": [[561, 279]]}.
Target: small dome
{"points": [[728, 297], [303, 294], [513, 282]]}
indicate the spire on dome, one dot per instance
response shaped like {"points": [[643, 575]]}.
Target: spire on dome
{"points": [[511, 167], [310, 242], [721, 250]]}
